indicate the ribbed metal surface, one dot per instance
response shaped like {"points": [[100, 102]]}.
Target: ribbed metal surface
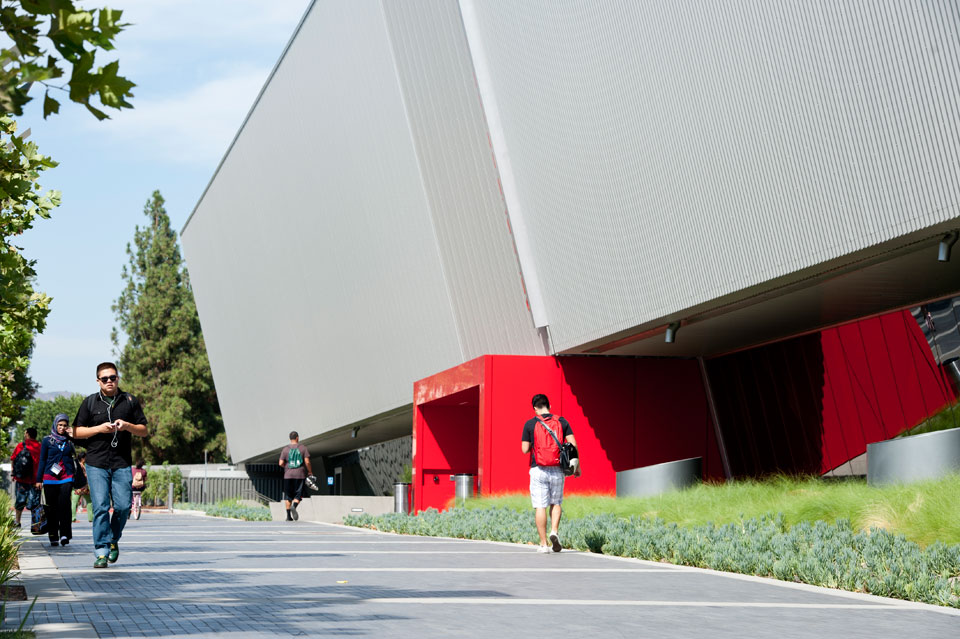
{"points": [[312, 253], [670, 153], [460, 178]]}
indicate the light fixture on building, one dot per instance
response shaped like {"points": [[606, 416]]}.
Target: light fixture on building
{"points": [[945, 244], [353, 433], [671, 332]]}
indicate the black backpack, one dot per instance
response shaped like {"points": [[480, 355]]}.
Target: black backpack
{"points": [[23, 464]]}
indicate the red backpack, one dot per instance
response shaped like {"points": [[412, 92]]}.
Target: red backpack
{"points": [[546, 449]]}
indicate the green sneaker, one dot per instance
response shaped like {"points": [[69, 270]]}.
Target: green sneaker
{"points": [[114, 554], [101, 562]]}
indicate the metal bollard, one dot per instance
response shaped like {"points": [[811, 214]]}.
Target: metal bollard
{"points": [[170, 497]]}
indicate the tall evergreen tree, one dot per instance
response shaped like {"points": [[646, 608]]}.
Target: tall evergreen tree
{"points": [[164, 360]]}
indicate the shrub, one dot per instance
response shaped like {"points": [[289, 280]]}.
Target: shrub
{"points": [[9, 541], [158, 480], [9, 547]]}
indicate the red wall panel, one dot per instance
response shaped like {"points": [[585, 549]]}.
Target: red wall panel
{"points": [[845, 391], [514, 380], [597, 399], [672, 416], [811, 403], [882, 377]]}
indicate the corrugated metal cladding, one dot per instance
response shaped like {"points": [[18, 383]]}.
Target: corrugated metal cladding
{"points": [[312, 254], [669, 153], [460, 178], [354, 238]]}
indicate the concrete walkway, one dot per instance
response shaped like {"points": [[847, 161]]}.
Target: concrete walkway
{"points": [[192, 576]]}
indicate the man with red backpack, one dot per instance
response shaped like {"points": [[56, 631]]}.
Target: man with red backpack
{"points": [[24, 471], [542, 438]]}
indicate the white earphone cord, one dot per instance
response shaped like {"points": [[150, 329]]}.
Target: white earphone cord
{"points": [[113, 442]]}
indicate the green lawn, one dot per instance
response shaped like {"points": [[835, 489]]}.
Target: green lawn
{"points": [[922, 512]]}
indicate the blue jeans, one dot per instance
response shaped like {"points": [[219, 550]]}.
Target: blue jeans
{"points": [[106, 483]]}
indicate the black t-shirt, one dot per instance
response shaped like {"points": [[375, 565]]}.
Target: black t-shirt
{"points": [[95, 410], [531, 424]]}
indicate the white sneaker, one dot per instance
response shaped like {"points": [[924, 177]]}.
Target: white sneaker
{"points": [[544, 549], [555, 540]]}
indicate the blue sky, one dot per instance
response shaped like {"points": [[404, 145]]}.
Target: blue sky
{"points": [[198, 68]]}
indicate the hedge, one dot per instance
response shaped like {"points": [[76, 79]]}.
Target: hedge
{"points": [[818, 553]]}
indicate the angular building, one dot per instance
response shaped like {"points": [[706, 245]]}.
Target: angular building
{"points": [[728, 204]]}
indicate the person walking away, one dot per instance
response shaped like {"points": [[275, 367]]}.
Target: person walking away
{"points": [[546, 478], [81, 494], [139, 481], [295, 461], [24, 473], [55, 473], [107, 420]]}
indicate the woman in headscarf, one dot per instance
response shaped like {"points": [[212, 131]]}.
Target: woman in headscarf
{"points": [[55, 473]]}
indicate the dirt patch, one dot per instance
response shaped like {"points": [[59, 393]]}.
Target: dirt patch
{"points": [[13, 593]]}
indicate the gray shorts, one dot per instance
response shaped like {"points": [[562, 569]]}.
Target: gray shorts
{"points": [[546, 486]]}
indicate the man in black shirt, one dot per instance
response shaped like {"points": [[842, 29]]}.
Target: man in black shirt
{"points": [[546, 478], [107, 420]]}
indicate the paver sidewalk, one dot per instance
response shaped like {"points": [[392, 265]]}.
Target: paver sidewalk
{"points": [[186, 576]]}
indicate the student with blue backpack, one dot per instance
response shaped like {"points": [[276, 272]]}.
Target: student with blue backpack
{"points": [[295, 461]]}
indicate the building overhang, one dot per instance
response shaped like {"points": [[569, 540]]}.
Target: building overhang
{"points": [[887, 277]]}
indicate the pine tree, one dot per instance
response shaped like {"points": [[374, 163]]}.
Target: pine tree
{"points": [[164, 360]]}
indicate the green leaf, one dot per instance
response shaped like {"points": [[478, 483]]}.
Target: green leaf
{"points": [[50, 105], [97, 113]]}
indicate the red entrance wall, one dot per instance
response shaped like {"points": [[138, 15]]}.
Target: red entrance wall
{"points": [[625, 413], [803, 405]]}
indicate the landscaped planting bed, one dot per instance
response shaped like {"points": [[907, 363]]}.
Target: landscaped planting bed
{"points": [[834, 555]]}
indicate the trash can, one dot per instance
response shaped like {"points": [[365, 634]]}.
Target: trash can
{"points": [[462, 488], [401, 498]]}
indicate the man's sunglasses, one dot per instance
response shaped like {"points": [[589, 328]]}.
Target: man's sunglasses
{"points": [[108, 378]]}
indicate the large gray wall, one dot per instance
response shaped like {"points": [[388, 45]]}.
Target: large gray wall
{"points": [[354, 239], [676, 152], [425, 181]]}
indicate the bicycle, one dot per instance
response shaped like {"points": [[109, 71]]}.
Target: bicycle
{"points": [[137, 505]]}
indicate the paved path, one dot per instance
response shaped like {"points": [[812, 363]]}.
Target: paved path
{"points": [[189, 576]]}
